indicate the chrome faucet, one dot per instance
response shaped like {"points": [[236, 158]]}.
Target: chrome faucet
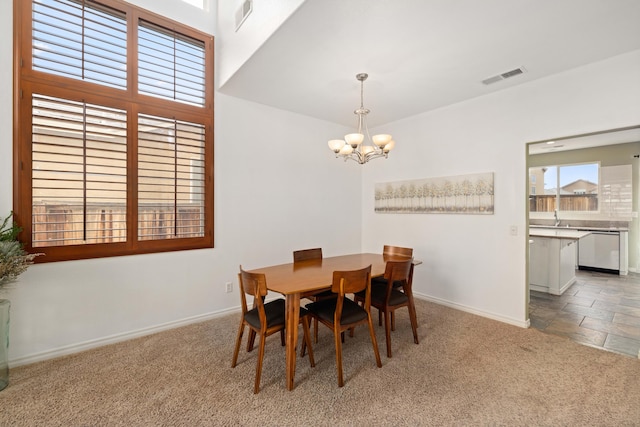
{"points": [[555, 215]]}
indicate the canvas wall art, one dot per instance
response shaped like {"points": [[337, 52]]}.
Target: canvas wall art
{"points": [[464, 194]]}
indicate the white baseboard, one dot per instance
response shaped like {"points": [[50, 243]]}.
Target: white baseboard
{"points": [[499, 318], [111, 339]]}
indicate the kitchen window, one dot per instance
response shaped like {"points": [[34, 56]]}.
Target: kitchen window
{"points": [[114, 142], [568, 188]]}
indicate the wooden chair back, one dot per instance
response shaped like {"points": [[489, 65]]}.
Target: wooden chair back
{"points": [[306, 254], [254, 284], [397, 250], [398, 271], [350, 282]]}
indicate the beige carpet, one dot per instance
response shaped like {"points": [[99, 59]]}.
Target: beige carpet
{"points": [[466, 371]]}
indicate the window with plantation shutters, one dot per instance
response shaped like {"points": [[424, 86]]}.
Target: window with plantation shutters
{"points": [[81, 40], [114, 142], [79, 173], [170, 174], [170, 65]]}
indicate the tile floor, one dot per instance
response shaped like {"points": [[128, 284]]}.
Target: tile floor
{"points": [[599, 310]]}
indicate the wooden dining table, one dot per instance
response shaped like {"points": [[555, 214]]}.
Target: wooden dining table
{"points": [[295, 279]]}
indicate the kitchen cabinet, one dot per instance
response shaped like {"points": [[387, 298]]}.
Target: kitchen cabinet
{"points": [[552, 263]]}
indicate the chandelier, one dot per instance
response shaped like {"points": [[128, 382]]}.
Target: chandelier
{"points": [[353, 146]]}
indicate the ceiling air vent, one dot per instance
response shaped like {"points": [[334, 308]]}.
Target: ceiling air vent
{"points": [[243, 11], [503, 76]]}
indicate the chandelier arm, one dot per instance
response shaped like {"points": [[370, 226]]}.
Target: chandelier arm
{"points": [[359, 156], [356, 156], [374, 155]]}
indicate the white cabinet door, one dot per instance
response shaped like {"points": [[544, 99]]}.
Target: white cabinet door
{"points": [[539, 261]]}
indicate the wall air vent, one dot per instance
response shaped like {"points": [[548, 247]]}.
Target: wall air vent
{"points": [[243, 11], [506, 75]]}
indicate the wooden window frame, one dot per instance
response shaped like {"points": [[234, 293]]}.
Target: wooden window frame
{"points": [[28, 81]]}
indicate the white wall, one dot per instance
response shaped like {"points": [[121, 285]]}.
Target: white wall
{"points": [[471, 261], [274, 192], [238, 46]]}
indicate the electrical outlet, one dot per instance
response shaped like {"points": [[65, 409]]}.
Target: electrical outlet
{"points": [[229, 287]]}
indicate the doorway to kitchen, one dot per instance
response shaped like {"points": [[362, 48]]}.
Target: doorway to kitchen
{"points": [[598, 309]]}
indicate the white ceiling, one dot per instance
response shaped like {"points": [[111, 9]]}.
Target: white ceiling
{"points": [[425, 54]]}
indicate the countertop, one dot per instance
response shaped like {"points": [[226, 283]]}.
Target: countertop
{"points": [[562, 227], [558, 233]]}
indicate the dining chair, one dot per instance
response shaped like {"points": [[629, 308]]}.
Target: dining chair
{"points": [[264, 319], [387, 297], [306, 255], [341, 313], [390, 250]]}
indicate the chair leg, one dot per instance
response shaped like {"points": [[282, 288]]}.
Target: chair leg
{"points": [[379, 318], [251, 340], [393, 321], [387, 330], [256, 387], [307, 341], [282, 338], [315, 330], [374, 342], [338, 342], [237, 349], [414, 321]]}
